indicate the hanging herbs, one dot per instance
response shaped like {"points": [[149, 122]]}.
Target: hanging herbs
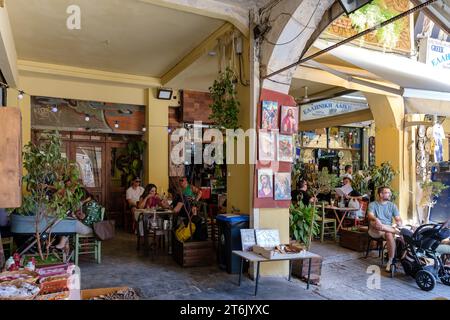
{"points": [[225, 106]]}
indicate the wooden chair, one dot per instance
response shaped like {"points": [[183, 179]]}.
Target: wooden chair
{"points": [[327, 225], [88, 244], [380, 246], [8, 246]]}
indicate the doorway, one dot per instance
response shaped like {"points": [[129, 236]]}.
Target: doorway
{"points": [[98, 158]]}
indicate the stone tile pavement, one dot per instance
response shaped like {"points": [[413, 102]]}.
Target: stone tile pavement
{"points": [[344, 277]]}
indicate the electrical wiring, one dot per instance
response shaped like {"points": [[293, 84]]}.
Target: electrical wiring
{"points": [[300, 33]]}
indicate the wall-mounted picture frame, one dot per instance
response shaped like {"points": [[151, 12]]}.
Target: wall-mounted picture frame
{"points": [[282, 186], [285, 148], [266, 146], [265, 183], [269, 115], [289, 120]]}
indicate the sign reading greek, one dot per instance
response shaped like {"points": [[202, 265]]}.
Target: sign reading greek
{"points": [[435, 53], [329, 108]]}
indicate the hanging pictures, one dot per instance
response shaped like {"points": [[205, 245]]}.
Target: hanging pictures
{"points": [[266, 146], [285, 148], [289, 120], [269, 115], [282, 186], [265, 183]]}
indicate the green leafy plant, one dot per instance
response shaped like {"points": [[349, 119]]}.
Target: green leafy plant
{"points": [[361, 181], [373, 14], [300, 217], [225, 106], [52, 184], [131, 164], [383, 175], [323, 182]]}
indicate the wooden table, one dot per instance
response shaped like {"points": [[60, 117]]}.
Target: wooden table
{"points": [[253, 257], [146, 216], [345, 211]]}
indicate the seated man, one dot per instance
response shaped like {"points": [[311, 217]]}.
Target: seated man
{"points": [[301, 194], [380, 215], [133, 195]]}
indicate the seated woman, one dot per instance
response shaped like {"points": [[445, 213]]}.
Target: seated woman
{"points": [[151, 199], [89, 213]]}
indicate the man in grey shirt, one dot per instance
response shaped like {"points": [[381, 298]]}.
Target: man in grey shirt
{"points": [[380, 215]]}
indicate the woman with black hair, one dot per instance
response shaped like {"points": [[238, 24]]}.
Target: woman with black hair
{"points": [[151, 199]]}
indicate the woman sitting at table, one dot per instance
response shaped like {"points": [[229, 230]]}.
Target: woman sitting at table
{"points": [[150, 198]]}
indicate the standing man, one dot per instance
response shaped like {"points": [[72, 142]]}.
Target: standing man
{"points": [[134, 193], [380, 215]]}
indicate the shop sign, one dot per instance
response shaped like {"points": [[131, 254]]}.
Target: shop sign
{"points": [[329, 108], [435, 53]]}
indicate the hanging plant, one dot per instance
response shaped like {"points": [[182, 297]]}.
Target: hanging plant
{"points": [[225, 106], [373, 14]]}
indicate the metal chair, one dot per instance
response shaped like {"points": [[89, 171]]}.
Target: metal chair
{"points": [[88, 244], [327, 225], [380, 247]]}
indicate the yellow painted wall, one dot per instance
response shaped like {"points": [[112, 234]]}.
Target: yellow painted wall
{"points": [[275, 219], [391, 143], [157, 137], [238, 179]]}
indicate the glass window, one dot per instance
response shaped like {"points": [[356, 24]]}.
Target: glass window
{"points": [[314, 139], [89, 161]]}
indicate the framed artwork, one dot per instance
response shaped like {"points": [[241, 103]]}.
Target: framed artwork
{"points": [[285, 148], [289, 120], [269, 115], [265, 183], [282, 186], [266, 146]]}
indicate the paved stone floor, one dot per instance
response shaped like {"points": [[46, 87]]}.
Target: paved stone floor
{"points": [[343, 277]]}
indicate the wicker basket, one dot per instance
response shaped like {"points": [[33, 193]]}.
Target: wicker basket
{"points": [[23, 275], [18, 284]]}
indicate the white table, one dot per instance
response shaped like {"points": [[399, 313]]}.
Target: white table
{"points": [[253, 257]]}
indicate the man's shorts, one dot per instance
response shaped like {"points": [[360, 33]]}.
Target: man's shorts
{"points": [[377, 233]]}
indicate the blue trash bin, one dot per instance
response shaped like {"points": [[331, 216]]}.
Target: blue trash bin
{"points": [[229, 240]]}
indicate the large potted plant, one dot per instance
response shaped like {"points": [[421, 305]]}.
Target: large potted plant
{"points": [[300, 217], [53, 189]]}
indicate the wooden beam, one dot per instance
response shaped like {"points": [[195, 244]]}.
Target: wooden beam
{"points": [[203, 48], [87, 74], [346, 118], [237, 16]]}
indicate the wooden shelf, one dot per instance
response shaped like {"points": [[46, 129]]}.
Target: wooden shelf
{"points": [[339, 149]]}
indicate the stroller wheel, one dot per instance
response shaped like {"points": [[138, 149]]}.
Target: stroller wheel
{"points": [[445, 277], [425, 280]]}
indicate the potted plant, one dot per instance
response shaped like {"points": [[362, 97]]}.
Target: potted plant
{"points": [[430, 191], [131, 164], [53, 189], [383, 175], [321, 183], [300, 217], [225, 106]]}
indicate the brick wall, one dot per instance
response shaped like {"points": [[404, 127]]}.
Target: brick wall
{"points": [[196, 106]]}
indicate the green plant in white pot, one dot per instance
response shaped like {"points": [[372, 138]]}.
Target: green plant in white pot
{"points": [[430, 191]]}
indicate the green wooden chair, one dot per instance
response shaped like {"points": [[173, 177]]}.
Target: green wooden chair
{"points": [[88, 244], [327, 225]]}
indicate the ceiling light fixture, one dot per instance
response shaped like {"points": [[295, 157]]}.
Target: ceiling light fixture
{"points": [[86, 117], [20, 95], [116, 124], [144, 129], [54, 109]]}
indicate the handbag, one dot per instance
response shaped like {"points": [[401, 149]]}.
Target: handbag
{"points": [[104, 230], [183, 233]]}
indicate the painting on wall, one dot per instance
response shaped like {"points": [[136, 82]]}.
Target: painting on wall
{"points": [[265, 183], [266, 146], [282, 186], [289, 120], [285, 148], [49, 113], [269, 115]]}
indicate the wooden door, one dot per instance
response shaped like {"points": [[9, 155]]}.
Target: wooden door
{"points": [[90, 158], [115, 186]]}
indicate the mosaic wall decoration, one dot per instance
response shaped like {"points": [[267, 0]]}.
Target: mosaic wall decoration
{"points": [[72, 115]]}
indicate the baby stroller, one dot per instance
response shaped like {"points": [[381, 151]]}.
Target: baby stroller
{"points": [[417, 255]]}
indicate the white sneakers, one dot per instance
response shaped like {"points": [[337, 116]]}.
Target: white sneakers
{"points": [[388, 265]]}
